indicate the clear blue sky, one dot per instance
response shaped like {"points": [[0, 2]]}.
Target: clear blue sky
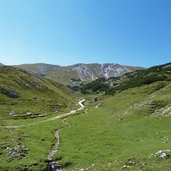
{"points": [[132, 32]]}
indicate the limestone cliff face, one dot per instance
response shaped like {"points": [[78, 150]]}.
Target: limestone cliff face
{"points": [[94, 71]]}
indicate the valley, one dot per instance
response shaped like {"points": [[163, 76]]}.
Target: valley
{"points": [[111, 124], [85, 85]]}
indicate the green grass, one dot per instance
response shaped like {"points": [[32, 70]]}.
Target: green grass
{"points": [[63, 75], [107, 137], [36, 95], [38, 138], [125, 126]]}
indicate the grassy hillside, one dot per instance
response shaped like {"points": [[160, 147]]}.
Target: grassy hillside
{"points": [[63, 75], [114, 132], [21, 92], [27, 99], [38, 68], [125, 130]]}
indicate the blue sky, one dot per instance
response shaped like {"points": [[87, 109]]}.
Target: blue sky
{"points": [[131, 32]]}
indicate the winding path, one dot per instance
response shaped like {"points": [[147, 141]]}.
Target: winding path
{"points": [[53, 118], [53, 165]]}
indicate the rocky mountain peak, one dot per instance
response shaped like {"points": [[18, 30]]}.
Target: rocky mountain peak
{"points": [[80, 71]]}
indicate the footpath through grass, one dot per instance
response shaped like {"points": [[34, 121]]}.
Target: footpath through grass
{"points": [[122, 128], [38, 139]]}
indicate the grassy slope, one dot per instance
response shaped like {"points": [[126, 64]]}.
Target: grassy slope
{"points": [[120, 129], [63, 75], [36, 95], [103, 139], [134, 68], [38, 138], [38, 68]]}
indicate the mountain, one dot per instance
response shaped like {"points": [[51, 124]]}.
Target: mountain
{"points": [[78, 73], [129, 80], [21, 92]]}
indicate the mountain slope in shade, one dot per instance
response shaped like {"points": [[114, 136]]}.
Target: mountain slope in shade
{"points": [[78, 73], [21, 92]]}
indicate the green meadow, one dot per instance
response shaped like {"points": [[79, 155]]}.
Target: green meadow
{"points": [[121, 128], [115, 132]]}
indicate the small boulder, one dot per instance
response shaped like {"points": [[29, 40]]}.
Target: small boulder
{"points": [[131, 162], [163, 154], [28, 113], [13, 95], [12, 113]]}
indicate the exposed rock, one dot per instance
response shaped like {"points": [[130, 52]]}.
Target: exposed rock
{"points": [[159, 108], [94, 71], [163, 154], [165, 140], [131, 162], [28, 113], [8, 92], [163, 111], [54, 166], [12, 113], [42, 115], [13, 95], [19, 151]]}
